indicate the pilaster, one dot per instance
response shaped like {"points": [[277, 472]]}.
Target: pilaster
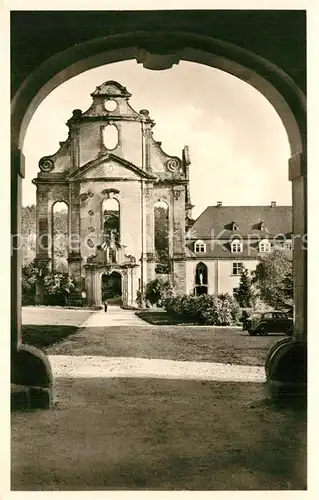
{"points": [[297, 175], [43, 223]]}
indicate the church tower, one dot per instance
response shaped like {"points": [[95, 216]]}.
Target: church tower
{"points": [[128, 201]]}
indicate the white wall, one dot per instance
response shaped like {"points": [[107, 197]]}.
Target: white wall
{"points": [[220, 277]]}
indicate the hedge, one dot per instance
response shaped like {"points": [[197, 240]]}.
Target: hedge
{"points": [[219, 310]]}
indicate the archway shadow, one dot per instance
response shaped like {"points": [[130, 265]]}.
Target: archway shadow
{"points": [[159, 434]]}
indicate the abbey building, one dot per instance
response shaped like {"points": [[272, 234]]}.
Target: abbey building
{"points": [[130, 213]]}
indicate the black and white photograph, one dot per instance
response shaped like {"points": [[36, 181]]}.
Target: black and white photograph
{"points": [[159, 231]]}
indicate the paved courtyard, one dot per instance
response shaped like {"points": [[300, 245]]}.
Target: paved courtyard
{"points": [[146, 407]]}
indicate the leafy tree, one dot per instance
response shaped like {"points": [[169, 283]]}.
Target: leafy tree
{"points": [[60, 241], [274, 280], [161, 239], [245, 294]]}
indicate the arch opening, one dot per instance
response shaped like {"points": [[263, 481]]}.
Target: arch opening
{"points": [[201, 279], [110, 137], [161, 237], [111, 221], [111, 286], [60, 233], [285, 96]]}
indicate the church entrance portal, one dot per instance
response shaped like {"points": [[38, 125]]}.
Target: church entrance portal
{"points": [[111, 286]]}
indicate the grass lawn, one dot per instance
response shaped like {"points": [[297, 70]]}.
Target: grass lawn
{"points": [[58, 331], [219, 345], [44, 326], [139, 434]]}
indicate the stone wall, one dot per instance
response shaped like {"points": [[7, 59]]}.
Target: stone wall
{"points": [[91, 231]]}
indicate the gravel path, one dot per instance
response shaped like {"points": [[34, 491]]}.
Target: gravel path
{"points": [[115, 316], [108, 367]]}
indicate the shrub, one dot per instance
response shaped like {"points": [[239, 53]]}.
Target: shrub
{"points": [[57, 286], [207, 309], [156, 292], [30, 276]]}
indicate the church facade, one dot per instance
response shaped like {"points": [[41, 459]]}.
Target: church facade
{"points": [[112, 174]]}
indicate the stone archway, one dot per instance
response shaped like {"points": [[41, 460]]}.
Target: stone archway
{"points": [[160, 50], [111, 287]]}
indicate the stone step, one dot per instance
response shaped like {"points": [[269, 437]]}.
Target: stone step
{"points": [[29, 398], [19, 397]]}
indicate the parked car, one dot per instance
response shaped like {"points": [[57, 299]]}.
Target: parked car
{"points": [[262, 323]]}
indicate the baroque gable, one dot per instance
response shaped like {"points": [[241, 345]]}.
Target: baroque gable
{"points": [[109, 166]]}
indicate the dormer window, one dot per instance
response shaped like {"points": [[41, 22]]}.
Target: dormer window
{"points": [[199, 246], [236, 246], [234, 226], [263, 226], [264, 246], [288, 245]]}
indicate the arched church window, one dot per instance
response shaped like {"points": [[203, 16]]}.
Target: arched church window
{"points": [[111, 221], [110, 137], [161, 237], [60, 232], [201, 279]]}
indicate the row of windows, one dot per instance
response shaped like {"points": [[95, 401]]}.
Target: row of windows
{"points": [[201, 274], [237, 246]]}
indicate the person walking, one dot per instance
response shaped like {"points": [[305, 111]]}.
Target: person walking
{"points": [[105, 306]]}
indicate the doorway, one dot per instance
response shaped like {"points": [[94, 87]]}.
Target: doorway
{"points": [[111, 287]]}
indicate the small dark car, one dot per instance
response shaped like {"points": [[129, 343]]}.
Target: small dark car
{"points": [[262, 323]]}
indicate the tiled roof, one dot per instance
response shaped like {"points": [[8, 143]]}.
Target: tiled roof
{"points": [[216, 222], [189, 251]]}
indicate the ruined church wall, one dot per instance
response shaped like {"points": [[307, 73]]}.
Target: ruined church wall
{"points": [[129, 197]]}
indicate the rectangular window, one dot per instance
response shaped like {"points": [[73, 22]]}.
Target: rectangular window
{"points": [[200, 247], [237, 268], [264, 247], [236, 248]]}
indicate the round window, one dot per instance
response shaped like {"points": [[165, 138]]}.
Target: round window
{"points": [[110, 105]]}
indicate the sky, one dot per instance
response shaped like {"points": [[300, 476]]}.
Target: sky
{"points": [[238, 145]]}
